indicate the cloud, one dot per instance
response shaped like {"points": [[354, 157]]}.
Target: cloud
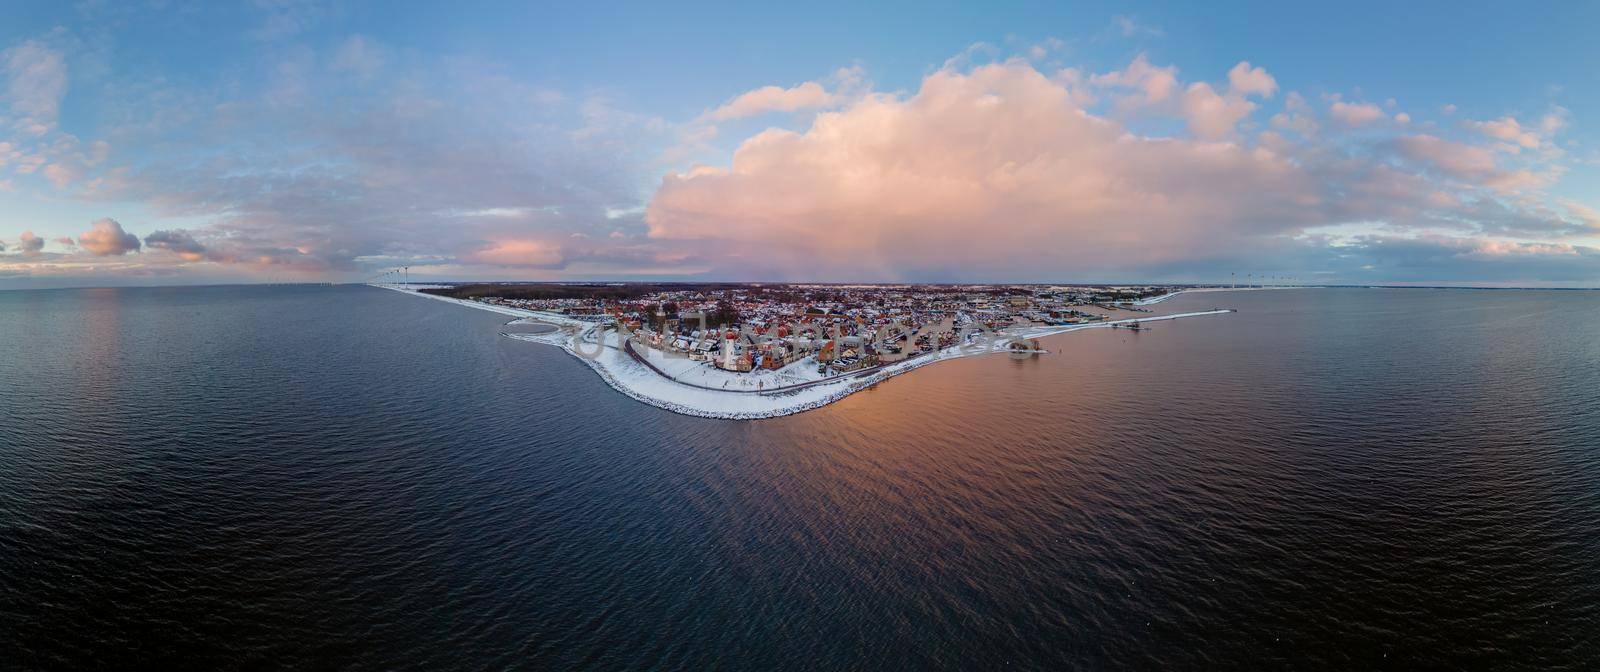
{"points": [[1208, 113], [1130, 26], [31, 244], [1355, 114], [177, 241], [287, 18], [1451, 158], [529, 253], [62, 174], [1507, 129], [427, 161], [36, 81], [1517, 135], [360, 56], [1297, 116], [334, 156], [1150, 85], [804, 96], [105, 238], [999, 172], [1211, 115], [974, 168], [1246, 80], [1473, 260]]}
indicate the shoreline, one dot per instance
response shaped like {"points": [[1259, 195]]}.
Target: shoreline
{"points": [[646, 384]]}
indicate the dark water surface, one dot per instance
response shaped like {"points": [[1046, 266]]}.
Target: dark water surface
{"points": [[352, 478]]}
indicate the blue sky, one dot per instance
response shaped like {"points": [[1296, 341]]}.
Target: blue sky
{"points": [[174, 142]]}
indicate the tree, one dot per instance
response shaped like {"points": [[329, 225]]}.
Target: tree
{"points": [[724, 315]]}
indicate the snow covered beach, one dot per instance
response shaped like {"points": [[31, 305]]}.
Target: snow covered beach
{"points": [[690, 388]]}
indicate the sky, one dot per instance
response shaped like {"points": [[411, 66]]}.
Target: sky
{"points": [[172, 142]]}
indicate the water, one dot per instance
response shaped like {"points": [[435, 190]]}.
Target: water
{"points": [[353, 478]]}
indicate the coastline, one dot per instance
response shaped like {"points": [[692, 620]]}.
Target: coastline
{"points": [[644, 383]]}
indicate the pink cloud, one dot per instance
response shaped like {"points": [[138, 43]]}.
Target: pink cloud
{"points": [[1355, 114], [1246, 80], [1502, 248], [105, 238], [1453, 158], [1001, 170], [1150, 84], [1212, 115], [997, 164], [1508, 130], [808, 95], [516, 252]]}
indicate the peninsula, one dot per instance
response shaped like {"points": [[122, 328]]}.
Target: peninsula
{"points": [[746, 351]]}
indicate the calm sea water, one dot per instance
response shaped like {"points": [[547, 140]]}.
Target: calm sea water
{"points": [[352, 478]]}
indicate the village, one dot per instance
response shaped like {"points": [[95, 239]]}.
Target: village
{"points": [[805, 333]]}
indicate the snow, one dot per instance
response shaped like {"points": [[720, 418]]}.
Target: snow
{"points": [[736, 395]]}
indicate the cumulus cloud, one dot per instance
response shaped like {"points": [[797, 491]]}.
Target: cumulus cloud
{"points": [[31, 244], [354, 156], [1148, 84], [1213, 115], [105, 238], [1297, 116], [996, 163], [1251, 81], [999, 171], [1209, 113]]}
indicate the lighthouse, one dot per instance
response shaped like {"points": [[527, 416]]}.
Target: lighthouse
{"points": [[729, 362]]}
